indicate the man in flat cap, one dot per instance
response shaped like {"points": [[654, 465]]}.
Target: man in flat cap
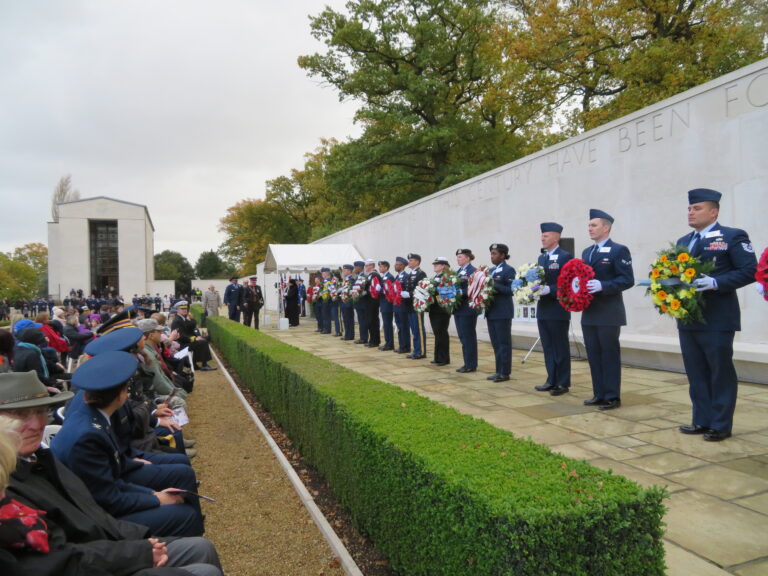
{"points": [[415, 318], [601, 322], [400, 309], [553, 320], [83, 537], [386, 305], [499, 317], [233, 298], [465, 317], [708, 346]]}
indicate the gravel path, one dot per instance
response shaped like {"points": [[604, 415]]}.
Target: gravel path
{"points": [[258, 523]]}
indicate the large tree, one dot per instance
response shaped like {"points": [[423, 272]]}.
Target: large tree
{"points": [[170, 265], [63, 192], [17, 279], [34, 255], [210, 265]]}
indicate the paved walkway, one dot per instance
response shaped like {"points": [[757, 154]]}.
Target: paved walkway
{"points": [[717, 521]]}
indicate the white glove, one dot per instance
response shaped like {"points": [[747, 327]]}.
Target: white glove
{"points": [[405, 294], [594, 286], [544, 290], [705, 283], [760, 289]]}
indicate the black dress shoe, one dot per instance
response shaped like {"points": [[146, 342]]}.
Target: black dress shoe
{"points": [[206, 368], [462, 369], [501, 378], [544, 387], [610, 404], [361, 341], [441, 363], [693, 429], [594, 401], [385, 348], [492, 377], [416, 357], [558, 391], [716, 435]]}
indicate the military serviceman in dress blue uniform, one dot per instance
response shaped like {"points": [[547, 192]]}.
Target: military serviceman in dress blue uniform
{"points": [[552, 318], [386, 307], [401, 310], [233, 297], [499, 317], [87, 445], [601, 322], [465, 317], [325, 303], [708, 346], [415, 319]]}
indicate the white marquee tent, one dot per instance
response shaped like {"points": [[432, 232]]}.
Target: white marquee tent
{"points": [[294, 258]]}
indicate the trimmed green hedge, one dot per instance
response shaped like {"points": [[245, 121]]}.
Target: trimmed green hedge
{"points": [[444, 493]]}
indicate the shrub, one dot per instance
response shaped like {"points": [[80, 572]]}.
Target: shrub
{"points": [[444, 493]]}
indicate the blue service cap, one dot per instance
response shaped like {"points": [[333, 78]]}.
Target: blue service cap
{"points": [[359, 263], [401, 260], [595, 213], [23, 324], [105, 371], [122, 339], [551, 227], [348, 267], [325, 269], [703, 195]]}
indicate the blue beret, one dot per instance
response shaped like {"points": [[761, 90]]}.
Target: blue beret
{"points": [[703, 195], [325, 269], [502, 248], [551, 227], [105, 371], [401, 260], [348, 267], [414, 256], [595, 213], [122, 339], [359, 263]]}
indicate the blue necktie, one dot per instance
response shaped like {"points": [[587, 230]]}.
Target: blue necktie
{"points": [[694, 242]]}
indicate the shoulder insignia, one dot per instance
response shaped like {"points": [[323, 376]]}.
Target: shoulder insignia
{"points": [[748, 247], [96, 425]]}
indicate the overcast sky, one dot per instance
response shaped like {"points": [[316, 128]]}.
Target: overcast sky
{"points": [[185, 106]]}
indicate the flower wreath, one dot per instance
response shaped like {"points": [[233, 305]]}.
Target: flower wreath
{"points": [[448, 291], [480, 292], [572, 285], [526, 288], [424, 295], [671, 284]]}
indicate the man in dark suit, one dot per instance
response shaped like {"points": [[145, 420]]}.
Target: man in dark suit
{"points": [[346, 309], [553, 320], [415, 318], [499, 317], [371, 299], [399, 308], [83, 537], [359, 289], [707, 346], [601, 322], [386, 306], [253, 301], [233, 299], [465, 317]]}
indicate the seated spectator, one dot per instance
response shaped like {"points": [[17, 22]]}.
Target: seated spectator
{"points": [[189, 336], [54, 332], [83, 538], [28, 355], [77, 335], [7, 344], [87, 445], [162, 379]]}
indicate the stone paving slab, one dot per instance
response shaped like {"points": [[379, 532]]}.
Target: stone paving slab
{"points": [[717, 519]]}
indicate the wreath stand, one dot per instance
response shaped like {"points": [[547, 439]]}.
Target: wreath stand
{"points": [[575, 341]]}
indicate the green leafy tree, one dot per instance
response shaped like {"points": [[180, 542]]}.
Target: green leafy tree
{"points": [[170, 265], [35, 255], [210, 265], [17, 279]]}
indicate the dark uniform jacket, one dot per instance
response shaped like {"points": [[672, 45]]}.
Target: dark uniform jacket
{"points": [[84, 539], [411, 281], [735, 266], [502, 306], [464, 275], [613, 267], [548, 307], [187, 328]]}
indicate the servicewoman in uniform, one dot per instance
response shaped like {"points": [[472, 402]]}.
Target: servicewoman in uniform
{"points": [[415, 318], [499, 317], [440, 319], [464, 316], [347, 311], [360, 286], [386, 305], [401, 309]]}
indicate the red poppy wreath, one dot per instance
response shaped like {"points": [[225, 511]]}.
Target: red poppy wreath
{"points": [[572, 285]]}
